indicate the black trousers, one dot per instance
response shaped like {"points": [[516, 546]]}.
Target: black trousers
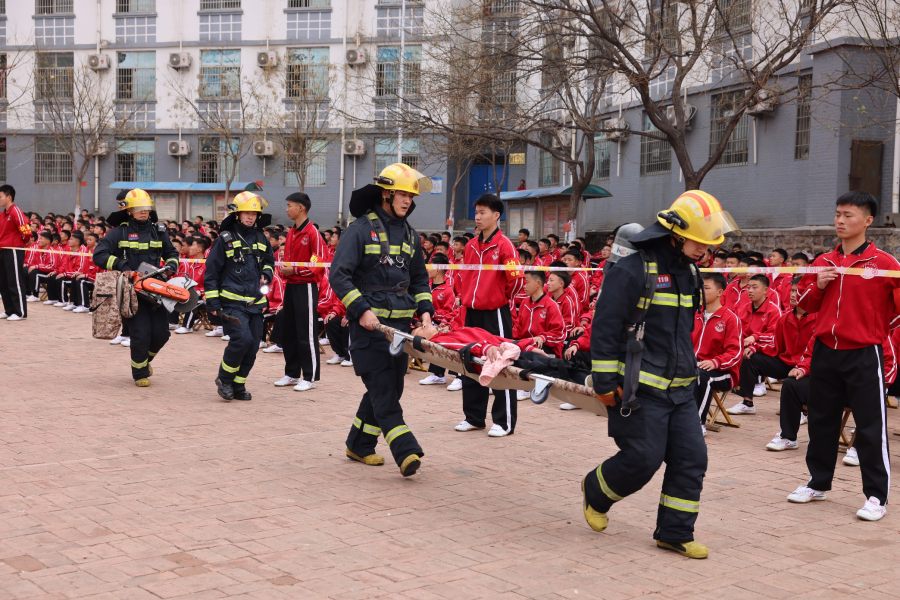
{"points": [[338, 337], [243, 344], [13, 283], [853, 378], [707, 383], [794, 400], [55, 288], [299, 339], [663, 429], [379, 411], [82, 292], [760, 365], [475, 396], [275, 336], [36, 279], [149, 332]]}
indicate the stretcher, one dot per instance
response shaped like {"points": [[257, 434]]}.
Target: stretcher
{"points": [[539, 386]]}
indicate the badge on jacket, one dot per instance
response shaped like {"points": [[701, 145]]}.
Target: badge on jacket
{"points": [[720, 327], [663, 281], [373, 235], [134, 236]]}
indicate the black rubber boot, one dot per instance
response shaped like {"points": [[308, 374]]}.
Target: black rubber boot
{"points": [[226, 391], [242, 394]]}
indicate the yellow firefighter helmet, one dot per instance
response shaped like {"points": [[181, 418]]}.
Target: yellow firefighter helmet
{"points": [[698, 216], [403, 178]]}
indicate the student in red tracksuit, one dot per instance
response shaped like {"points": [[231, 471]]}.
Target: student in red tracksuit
{"points": [[77, 258], [558, 290], [485, 297], [45, 261], [539, 317], [717, 340], [781, 282], [847, 368], [735, 296], [543, 257], [194, 269], [445, 310], [580, 281], [759, 318], [15, 232], [337, 330], [83, 282], [793, 330]]}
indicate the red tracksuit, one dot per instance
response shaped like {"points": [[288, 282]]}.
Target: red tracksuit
{"points": [[444, 301], [735, 294], [479, 338], [15, 229], [304, 244], [582, 287], [276, 293], [719, 339], [489, 290], [543, 318], [760, 323], [568, 306], [792, 335]]}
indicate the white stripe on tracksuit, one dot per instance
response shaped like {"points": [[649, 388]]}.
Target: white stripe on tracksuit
{"points": [[20, 292], [313, 321], [885, 457], [506, 392], [708, 391]]}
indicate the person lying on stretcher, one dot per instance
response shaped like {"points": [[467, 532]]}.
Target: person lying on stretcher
{"points": [[499, 353]]}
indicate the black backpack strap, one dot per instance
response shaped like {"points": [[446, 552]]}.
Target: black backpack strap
{"points": [[634, 335]]}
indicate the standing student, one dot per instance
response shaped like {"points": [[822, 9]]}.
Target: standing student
{"points": [[854, 313], [486, 295], [15, 232]]}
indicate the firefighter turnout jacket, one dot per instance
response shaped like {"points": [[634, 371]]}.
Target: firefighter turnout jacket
{"points": [[125, 247], [237, 261]]}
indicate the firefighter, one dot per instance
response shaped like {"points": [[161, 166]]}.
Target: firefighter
{"points": [[239, 268], [138, 238], [643, 366], [378, 272]]}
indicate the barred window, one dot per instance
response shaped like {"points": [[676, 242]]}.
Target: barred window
{"points": [[3, 12], [52, 164], [220, 27], [54, 75], [135, 30], [496, 8], [387, 20], [316, 164], [307, 73], [53, 7], [310, 25], [309, 3], [656, 153], [386, 152], [54, 31], [737, 148], [135, 6], [662, 29], [220, 73], [730, 53], [734, 15], [219, 4], [601, 156], [2, 157], [387, 70], [661, 86], [804, 117], [216, 161], [135, 160], [549, 167], [136, 76], [2, 76]]}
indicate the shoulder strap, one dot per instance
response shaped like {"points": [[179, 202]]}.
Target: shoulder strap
{"points": [[380, 231], [651, 274], [226, 236]]}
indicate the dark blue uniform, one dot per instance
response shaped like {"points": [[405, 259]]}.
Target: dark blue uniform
{"points": [[124, 248], [666, 426]]}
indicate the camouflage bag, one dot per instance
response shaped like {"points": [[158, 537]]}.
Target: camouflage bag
{"points": [[114, 299]]}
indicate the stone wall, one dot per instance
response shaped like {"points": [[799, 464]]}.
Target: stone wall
{"points": [[811, 240]]}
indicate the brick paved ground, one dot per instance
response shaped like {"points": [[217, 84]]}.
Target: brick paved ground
{"points": [[108, 491]]}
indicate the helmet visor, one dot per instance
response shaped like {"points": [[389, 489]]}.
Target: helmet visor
{"points": [[711, 229]]}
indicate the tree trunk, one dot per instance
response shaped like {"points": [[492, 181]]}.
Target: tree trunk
{"points": [[77, 198]]}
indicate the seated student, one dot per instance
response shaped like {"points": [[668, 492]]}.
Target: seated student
{"points": [[337, 329], [60, 249], [574, 258], [735, 295], [445, 311], [773, 342], [521, 295], [780, 282], [197, 247], [717, 340], [76, 258], [459, 249], [555, 250], [543, 257], [539, 317], [273, 310], [39, 274], [30, 260], [800, 259], [83, 284], [558, 289]]}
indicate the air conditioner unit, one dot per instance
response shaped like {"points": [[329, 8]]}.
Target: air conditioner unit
{"points": [[617, 129], [100, 149], [688, 112], [764, 102], [180, 60], [179, 148], [357, 56], [267, 60], [98, 62], [263, 148], [354, 148]]}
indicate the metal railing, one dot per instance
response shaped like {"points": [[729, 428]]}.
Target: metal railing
{"points": [[53, 7], [219, 4], [135, 6], [54, 82]]}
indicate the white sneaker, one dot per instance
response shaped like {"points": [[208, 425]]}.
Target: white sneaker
{"points": [[522, 395], [568, 406], [172, 326], [872, 510], [15, 318], [3, 315], [804, 419], [851, 459], [455, 385], [304, 385], [778, 444], [286, 381], [771, 380], [433, 379], [273, 348], [217, 332], [116, 340], [346, 363], [741, 409], [334, 360], [226, 338], [69, 307], [804, 494], [49, 302], [497, 431], [126, 342], [81, 309], [183, 330], [32, 299], [759, 390], [262, 344], [466, 426], [324, 341], [703, 429], [59, 304]]}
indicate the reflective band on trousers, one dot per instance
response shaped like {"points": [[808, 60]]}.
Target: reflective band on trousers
{"points": [[396, 432], [370, 429], [239, 379], [229, 369], [649, 379], [139, 365], [689, 506], [607, 491]]}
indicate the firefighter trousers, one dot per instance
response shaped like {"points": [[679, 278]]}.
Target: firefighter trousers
{"points": [[663, 429], [379, 411], [243, 344], [149, 332]]}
